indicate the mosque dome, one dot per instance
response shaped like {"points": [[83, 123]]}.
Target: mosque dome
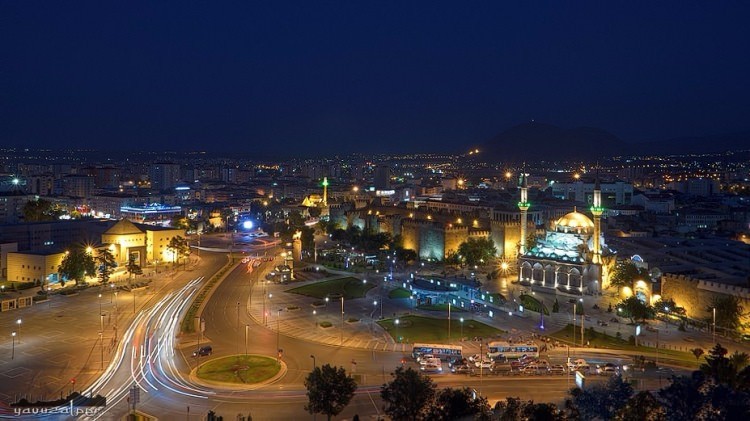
{"points": [[574, 221]]}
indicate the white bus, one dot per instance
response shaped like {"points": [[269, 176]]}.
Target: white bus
{"points": [[509, 350], [444, 352]]}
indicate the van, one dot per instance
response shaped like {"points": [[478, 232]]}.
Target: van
{"points": [[203, 351]]}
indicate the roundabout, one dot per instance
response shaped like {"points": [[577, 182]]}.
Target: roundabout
{"points": [[239, 372]]}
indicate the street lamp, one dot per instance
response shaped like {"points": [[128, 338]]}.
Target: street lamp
{"points": [[101, 316], [313, 358], [13, 352], [315, 317], [101, 349], [18, 322], [714, 329], [398, 339], [246, 327], [462, 328], [278, 350], [342, 321]]}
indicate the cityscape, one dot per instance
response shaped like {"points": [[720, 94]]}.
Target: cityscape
{"points": [[285, 212]]}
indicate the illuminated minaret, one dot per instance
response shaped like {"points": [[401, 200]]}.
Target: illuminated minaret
{"points": [[597, 210], [524, 206], [325, 191]]}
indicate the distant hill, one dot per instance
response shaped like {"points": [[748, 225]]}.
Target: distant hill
{"points": [[696, 144], [535, 141]]}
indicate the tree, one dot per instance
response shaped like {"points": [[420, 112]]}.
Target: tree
{"points": [[40, 210], [513, 409], [133, 268], [474, 251], [406, 396], [626, 273], [77, 265], [697, 352], [179, 247], [667, 305], [728, 311], [107, 265], [329, 390], [635, 309], [180, 222], [718, 367], [642, 407], [452, 404], [406, 255], [602, 401]]}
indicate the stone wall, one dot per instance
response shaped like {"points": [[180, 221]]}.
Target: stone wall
{"points": [[696, 296]]}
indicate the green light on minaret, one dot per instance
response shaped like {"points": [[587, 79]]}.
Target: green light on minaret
{"points": [[325, 181]]}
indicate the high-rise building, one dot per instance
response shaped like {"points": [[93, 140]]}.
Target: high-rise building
{"points": [[164, 175], [382, 179]]}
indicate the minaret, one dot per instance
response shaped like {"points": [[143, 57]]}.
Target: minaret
{"points": [[524, 206], [325, 191], [597, 210]]}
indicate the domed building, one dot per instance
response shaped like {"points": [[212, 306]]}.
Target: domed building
{"points": [[569, 256]]}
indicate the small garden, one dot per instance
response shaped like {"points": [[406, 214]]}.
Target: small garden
{"points": [[532, 304], [427, 329], [241, 369], [347, 287], [399, 293]]}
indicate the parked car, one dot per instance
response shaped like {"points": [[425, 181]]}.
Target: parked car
{"points": [[422, 359], [474, 357], [203, 351], [432, 368], [557, 369], [526, 359], [484, 364], [607, 369], [501, 369], [535, 369], [457, 361], [461, 369]]}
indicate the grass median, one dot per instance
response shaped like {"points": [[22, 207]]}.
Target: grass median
{"points": [[348, 287], [414, 329], [239, 369], [597, 339]]}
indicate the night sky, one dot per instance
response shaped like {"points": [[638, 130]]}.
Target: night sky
{"points": [[325, 77]]}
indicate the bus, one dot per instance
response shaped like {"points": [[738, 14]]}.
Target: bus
{"points": [[509, 350], [444, 352]]}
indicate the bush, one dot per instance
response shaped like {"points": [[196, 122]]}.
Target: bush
{"points": [[631, 340], [325, 325]]}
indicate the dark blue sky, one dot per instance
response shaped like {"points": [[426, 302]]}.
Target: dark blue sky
{"points": [[295, 77]]}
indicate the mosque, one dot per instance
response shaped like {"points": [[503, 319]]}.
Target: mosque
{"points": [[572, 257]]}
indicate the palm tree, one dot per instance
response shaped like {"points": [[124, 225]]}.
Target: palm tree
{"points": [[739, 360]]}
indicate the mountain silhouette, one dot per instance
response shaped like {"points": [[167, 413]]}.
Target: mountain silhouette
{"points": [[540, 141]]}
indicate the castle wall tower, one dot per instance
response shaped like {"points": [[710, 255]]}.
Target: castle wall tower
{"points": [[597, 210], [524, 206]]}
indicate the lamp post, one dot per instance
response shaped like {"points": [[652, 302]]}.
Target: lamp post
{"points": [[278, 350], [238, 314], [13, 351], [397, 337], [449, 322], [101, 349], [18, 322], [101, 317], [714, 329], [342, 321], [246, 327], [313, 358], [462, 328]]}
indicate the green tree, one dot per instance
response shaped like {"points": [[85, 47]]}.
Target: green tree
{"points": [[40, 210], [452, 404], [77, 265], [626, 273], [407, 395], [602, 401], [476, 251], [329, 390], [106, 265], [697, 352], [728, 311], [179, 248], [642, 407], [635, 309], [406, 255], [180, 222], [667, 305], [133, 268]]}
